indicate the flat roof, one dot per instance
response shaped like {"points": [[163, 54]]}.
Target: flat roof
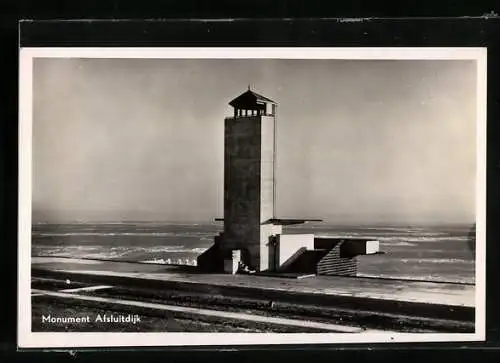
{"points": [[283, 221], [289, 221]]}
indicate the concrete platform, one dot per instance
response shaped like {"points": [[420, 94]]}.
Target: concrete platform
{"points": [[448, 294]]}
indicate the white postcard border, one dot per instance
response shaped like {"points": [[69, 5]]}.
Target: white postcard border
{"points": [[28, 339]]}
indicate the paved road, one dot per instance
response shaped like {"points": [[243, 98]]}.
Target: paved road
{"points": [[385, 289], [117, 303]]}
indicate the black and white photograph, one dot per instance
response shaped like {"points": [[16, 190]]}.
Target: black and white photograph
{"points": [[233, 196]]}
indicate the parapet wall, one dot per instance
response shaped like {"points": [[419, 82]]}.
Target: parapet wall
{"points": [[341, 260], [334, 264]]}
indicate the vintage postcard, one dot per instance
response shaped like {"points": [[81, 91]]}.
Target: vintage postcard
{"points": [[234, 196]]}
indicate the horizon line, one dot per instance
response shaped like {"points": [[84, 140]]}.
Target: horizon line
{"points": [[213, 222]]}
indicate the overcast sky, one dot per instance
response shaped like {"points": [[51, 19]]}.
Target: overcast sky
{"points": [[358, 141]]}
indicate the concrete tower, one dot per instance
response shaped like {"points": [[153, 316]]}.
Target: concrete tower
{"points": [[249, 180], [249, 185], [252, 235]]}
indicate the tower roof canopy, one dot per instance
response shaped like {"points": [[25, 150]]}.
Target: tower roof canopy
{"points": [[249, 99]]}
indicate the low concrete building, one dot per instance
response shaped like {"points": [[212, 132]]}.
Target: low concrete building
{"points": [[332, 256]]}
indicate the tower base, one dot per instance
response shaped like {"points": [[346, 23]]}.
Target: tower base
{"points": [[295, 254]]}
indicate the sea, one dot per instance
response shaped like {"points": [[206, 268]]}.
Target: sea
{"points": [[432, 253]]}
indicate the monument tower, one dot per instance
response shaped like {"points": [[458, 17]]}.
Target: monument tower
{"points": [[252, 236], [249, 181]]}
